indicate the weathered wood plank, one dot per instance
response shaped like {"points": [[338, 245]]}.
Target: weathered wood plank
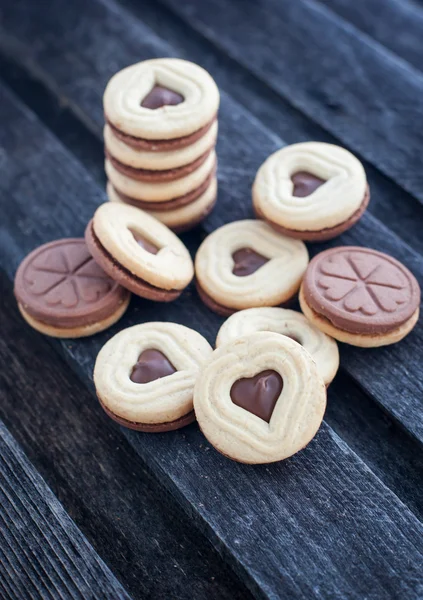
{"points": [[316, 510], [99, 478], [344, 81], [380, 18], [77, 66], [390, 203], [385, 447], [43, 554]]}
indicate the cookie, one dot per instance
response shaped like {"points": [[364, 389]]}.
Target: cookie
{"points": [[260, 398], [247, 264], [360, 296], [145, 375], [290, 323], [161, 99], [139, 252], [311, 191], [156, 176], [181, 218], [63, 293], [158, 161], [162, 191]]}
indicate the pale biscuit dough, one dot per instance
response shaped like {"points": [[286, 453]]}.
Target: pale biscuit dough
{"points": [[274, 283], [178, 217], [160, 401], [170, 269], [358, 339], [322, 348], [159, 161], [75, 332], [127, 89], [160, 191], [298, 412], [329, 205]]}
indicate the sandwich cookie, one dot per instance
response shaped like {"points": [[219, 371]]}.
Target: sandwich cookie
{"points": [[139, 252], [260, 398], [247, 264], [311, 191], [322, 348], [161, 105], [360, 296], [180, 218], [145, 375], [159, 161], [63, 293]]}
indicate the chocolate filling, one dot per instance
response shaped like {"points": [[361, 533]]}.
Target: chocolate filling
{"points": [[169, 204], [305, 183], [247, 261], [161, 96], [160, 145], [157, 176], [144, 243], [151, 365], [259, 394]]}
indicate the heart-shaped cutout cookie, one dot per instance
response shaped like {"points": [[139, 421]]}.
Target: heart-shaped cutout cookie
{"points": [[259, 394]]}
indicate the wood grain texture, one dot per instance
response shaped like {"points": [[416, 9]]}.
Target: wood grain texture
{"points": [[380, 18], [98, 477], [43, 554], [390, 204], [385, 447], [288, 529], [344, 81], [82, 78]]}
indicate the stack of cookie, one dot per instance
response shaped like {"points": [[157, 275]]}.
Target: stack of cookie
{"points": [[160, 137]]}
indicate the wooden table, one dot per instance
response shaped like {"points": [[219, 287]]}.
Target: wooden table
{"points": [[94, 511]]}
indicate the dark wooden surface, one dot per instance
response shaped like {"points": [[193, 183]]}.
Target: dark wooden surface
{"points": [[42, 552], [341, 519]]}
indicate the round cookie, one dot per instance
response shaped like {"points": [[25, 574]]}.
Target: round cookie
{"points": [[321, 347], [160, 191], [139, 252], [161, 99], [145, 375], [63, 293], [360, 296], [157, 161], [247, 264], [311, 191], [181, 218], [260, 398]]}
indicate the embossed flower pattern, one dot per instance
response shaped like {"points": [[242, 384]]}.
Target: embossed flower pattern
{"points": [[365, 284], [67, 276]]}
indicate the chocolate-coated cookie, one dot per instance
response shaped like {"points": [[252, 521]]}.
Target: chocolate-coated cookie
{"points": [[62, 292], [360, 296]]}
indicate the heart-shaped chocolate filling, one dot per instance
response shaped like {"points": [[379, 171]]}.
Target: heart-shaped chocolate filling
{"points": [[144, 243], [247, 261], [151, 365], [259, 394], [161, 96], [305, 183]]}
